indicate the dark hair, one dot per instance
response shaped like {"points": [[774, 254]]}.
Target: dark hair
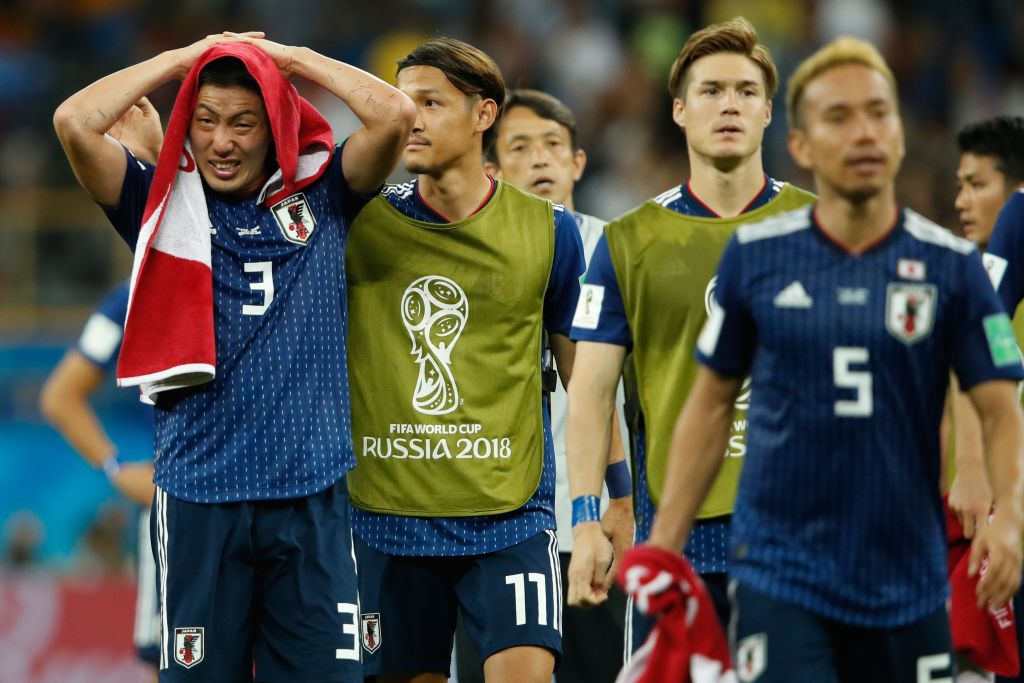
{"points": [[468, 68], [228, 72], [543, 105], [1002, 138], [736, 36]]}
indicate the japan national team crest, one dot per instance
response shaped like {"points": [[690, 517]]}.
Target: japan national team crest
{"points": [[910, 311], [371, 631], [189, 646], [751, 657], [294, 218]]}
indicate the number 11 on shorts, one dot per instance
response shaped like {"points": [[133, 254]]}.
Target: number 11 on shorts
{"points": [[518, 582]]}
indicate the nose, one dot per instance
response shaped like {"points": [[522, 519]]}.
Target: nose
{"points": [[417, 126], [730, 101], [223, 140], [963, 198], [539, 156], [865, 129]]}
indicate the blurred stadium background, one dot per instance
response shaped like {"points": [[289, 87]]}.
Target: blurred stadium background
{"points": [[66, 540]]}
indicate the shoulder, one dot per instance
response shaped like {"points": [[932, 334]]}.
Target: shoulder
{"points": [[788, 190], [668, 196], [927, 232], [777, 226]]}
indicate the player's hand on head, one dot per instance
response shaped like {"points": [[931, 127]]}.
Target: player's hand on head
{"points": [[283, 55], [592, 557], [617, 523], [139, 129], [996, 552], [187, 56], [135, 481]]}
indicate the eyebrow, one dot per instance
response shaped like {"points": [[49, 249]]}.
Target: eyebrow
{"points": [[530, 136], [210, 109], [745, 83]]}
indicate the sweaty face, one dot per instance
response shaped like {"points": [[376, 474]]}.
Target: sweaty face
{"points": [[982, 192], [230, 138], [725, 109], [536, 154], [852, 136], [446, 118]]}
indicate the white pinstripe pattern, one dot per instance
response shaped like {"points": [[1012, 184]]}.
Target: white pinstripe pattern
{"points": [[161, 520], [556, 580]]}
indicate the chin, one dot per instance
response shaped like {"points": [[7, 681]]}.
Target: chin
{"points": [[418, 167]]}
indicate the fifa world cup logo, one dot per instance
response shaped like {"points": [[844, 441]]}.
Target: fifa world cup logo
{"points": [[434, 311]]}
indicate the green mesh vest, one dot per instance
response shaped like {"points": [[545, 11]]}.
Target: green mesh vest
{"points": [[665, 264], [444, 345]]}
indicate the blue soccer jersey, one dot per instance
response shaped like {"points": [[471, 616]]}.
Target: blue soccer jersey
{"points": [[1004, 258], [838, 508], [100, 341], [274, 422], [451, 536], [708, 543]]}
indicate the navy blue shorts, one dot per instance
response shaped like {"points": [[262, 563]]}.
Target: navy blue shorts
{"points": [[257, 590], [146, 634], [508, 598], [774, 641]]}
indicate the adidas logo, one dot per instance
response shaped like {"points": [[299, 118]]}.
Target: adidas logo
{"points": [[793, 296]]}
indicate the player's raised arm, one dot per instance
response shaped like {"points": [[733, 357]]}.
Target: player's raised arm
{"points": [[387, 115], [83, 120]]}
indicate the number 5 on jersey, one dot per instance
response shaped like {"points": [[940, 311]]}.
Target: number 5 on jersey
{"points": [[846, 377], [265, 284]]}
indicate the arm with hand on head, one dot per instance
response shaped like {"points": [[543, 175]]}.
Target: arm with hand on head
{"points": [[83, 120], [387, 115], [1002, 427], [139, 130]]}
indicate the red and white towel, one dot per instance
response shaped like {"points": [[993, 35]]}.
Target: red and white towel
{"points": [[988, 637], [169, 334], [686, 644]]}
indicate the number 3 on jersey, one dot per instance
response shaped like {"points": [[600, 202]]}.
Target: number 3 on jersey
{"points": [[846, 377], [265, 284]]}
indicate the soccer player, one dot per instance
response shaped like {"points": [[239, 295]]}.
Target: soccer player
{"points": [[848, 316], [453, 279], [535, 149], [251, 511], [648, 290]]}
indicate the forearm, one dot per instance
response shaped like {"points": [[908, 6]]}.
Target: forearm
{"points": [[95, 108], [375, 103], [695, 457], [1004, 459], [78, 424], [588, 435]]}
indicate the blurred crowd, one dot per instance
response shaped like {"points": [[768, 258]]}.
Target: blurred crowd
{"points": [[955, 62]]}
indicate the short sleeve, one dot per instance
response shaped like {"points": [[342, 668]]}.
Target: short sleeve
{"points": [[985, 347], [564, 281], [100, 341], [1004, 258], [126, 216], [600, 313]]}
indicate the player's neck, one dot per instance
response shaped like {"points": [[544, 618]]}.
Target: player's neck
{"points": [[726, 191], [457, 192], [856, 226]]}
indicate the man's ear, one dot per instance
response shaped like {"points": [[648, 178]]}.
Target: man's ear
{"points": [[579, 162], [799, 149], [492, 169]]}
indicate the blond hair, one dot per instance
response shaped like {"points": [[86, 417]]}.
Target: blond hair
{"points": [[735, 36], [843, 50]]}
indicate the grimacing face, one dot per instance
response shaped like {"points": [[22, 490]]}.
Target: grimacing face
{"points": [[231, 138], [852, 135], [446, 120], [982, 191], [725, 109], [537, 155]]}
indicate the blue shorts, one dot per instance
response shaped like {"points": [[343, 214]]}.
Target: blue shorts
{"points": [[146, 634], [508, 598], [774, 641], [257, 590]]}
